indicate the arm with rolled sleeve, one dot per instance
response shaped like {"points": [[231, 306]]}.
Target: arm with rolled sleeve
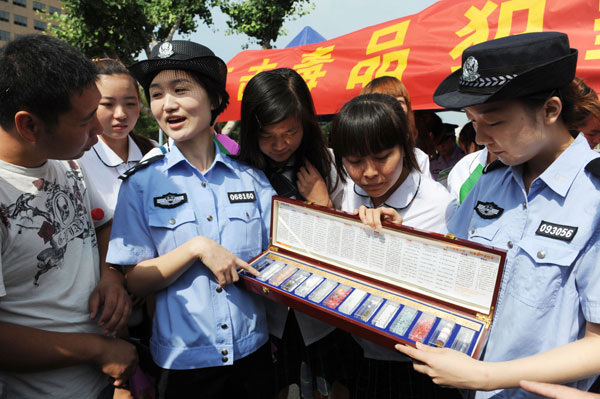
{"points": [[130, 239], [569, 362], [587, 279], [461, 218], [132, 244]]}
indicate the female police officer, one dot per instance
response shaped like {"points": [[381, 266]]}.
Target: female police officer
{"points": [[184, 223], [541, 203]]}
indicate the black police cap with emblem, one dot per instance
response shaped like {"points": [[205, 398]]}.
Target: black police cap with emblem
{"points": [[183, 55], [509, 68]]}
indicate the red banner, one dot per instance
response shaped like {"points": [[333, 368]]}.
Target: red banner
{"points": [[420, 49]]}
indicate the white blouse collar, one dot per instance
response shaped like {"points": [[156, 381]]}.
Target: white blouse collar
{"points": [[110, 158], [403, 196]]}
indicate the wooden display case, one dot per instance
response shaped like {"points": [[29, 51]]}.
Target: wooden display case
{"points": [[398, 285]]}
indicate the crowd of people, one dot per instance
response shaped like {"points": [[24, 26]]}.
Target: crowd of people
{"points": [[118, 257]]}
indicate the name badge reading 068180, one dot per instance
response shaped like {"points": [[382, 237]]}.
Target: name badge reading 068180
{"points": [[557, 231], [241, 196]]}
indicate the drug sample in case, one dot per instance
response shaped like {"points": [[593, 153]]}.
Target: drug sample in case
{"points": [[403, 320], [463, 340], [337, 296], [283, 275], [351, 303], [385, 314], [442, 333], [295, 280], [270, 270], [422, 327], [368, 308], [260, 266], [322, 290], [308, 285]]}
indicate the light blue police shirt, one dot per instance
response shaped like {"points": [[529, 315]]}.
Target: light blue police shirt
{"points": [[159, 208], [551, 281]]}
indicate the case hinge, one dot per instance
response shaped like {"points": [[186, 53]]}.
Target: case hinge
{"points": [[273, 248], [486, 318], [450, 236]]}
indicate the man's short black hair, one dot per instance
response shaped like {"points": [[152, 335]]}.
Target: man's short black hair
{"points": [[39, 73]]}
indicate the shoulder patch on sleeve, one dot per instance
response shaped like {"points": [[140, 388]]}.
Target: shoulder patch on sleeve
{"points": [[141, 165], [594, 167], [497, 164]]}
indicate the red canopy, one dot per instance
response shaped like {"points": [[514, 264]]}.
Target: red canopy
{"points": [[420, 49]]}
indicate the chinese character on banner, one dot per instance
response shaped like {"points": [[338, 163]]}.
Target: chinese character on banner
{"points": [[477, 30], [595, 54], [264, 66], [312, 63], [390, 60]]}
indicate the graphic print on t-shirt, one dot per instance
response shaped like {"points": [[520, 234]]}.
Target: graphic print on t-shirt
{"points": [[59, 215]]}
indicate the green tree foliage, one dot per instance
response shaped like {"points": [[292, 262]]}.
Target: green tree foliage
{"points": [[124, 28], [262, 20]]}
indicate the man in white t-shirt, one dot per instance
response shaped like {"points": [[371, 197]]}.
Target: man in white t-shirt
{"points": [[60, 303]]}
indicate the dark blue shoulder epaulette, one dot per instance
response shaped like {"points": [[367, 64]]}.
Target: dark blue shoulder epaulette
{"points": [[594, 167], [141, 165], [497, 164]]}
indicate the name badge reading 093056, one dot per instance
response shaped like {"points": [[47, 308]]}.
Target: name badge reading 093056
{"points": [[241, 196], [557, 231]]}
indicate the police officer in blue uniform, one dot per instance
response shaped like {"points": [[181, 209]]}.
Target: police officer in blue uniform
{"points": [[184, 224], [541, 203]]}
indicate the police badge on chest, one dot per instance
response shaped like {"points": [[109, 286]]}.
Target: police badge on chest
{"points": [[488, 210], [170, 200]]}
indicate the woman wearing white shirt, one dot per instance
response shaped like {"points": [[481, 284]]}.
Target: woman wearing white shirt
{"points": [[371, 143], [118, 149]]}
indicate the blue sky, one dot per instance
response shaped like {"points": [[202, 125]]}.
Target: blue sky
{"points": [[331, 18]]}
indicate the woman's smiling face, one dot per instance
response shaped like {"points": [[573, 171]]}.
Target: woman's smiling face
{"points": [[180, 104]]}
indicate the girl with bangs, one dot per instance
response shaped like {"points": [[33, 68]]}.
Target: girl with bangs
{"points": [[280, 135], [371, 142]]}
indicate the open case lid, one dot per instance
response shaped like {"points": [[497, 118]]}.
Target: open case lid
{"points": [[455, 272]]}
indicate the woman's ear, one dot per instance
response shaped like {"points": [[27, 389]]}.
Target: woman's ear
{"points": [[29, 126], [472, 148], [551, 110]]}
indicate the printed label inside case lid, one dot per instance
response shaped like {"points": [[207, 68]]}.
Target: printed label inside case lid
{"points": [[391, 256]]}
